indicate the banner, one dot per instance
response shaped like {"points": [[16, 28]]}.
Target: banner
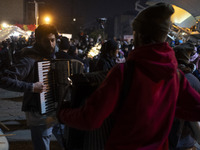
{"points": [[30, 27]]}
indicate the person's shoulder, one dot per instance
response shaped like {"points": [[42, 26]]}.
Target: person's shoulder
{"points": [[193, 80], [78, 58], [117, 69], [27, 48], [102, 60], [32, 53], [190, 76]]}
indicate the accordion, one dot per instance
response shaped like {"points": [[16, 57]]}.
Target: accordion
{"points": [[84, 85], [55, 75]]}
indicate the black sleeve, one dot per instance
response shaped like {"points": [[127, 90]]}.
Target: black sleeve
{"points": [[14, 78]]}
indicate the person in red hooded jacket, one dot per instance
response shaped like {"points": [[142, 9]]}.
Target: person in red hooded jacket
{"points": [[156, 95]]}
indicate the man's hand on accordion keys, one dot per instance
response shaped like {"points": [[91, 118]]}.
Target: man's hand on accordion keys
{"points": [[38, 87]]}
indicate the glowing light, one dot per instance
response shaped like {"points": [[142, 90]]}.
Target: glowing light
{"points": [[69, 36], [94, 50], [4, 25], [183, 33], [179, 15], [74, 19], [16, 34], [47, 20], [29, 33]]}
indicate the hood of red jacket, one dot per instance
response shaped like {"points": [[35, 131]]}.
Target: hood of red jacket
{"points": [[157, 61]]}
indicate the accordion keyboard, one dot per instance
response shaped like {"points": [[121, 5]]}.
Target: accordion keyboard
{"points": [[47, 101]]}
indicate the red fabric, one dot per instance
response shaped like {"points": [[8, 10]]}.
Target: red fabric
{"points": [[19, 25], [145, 119], [31, 27]]}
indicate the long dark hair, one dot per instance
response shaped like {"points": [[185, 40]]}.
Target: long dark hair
{"points": [[44, 30], [109, 48]]}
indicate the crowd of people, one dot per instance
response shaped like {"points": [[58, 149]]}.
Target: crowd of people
{"points": [[150, 91], [10, 49]]}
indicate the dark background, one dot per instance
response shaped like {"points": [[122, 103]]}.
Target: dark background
{"points": [[86, 12]]}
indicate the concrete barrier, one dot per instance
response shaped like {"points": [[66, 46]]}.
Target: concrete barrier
{"points": [[10, 94], [3, 141]]}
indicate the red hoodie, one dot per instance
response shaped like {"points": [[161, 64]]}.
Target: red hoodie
{"points": [[145, 119]]}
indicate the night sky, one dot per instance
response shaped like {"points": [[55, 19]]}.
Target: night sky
{"points": [[90, 8], [85, 11]]}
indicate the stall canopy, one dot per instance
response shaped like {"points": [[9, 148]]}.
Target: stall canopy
{"points": [[185, 19], [192, 6], [186, 12], [11, 31]]}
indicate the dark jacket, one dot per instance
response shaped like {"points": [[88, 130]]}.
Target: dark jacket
{"points": [[21, 76], [62, 55], [105, 63], [182, 131], [5, 61], [194, 82], [68, 56]]}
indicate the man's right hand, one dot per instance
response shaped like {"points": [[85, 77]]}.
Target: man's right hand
{"points": [[38, 87]]}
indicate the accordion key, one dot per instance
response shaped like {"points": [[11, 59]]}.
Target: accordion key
{"points": [[54, 75]]}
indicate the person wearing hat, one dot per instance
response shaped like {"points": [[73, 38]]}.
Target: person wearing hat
{"points": [[153, 95], [184, 134], [183, 55], [195, 58]]}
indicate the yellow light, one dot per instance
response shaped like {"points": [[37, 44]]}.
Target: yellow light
{"points": [[4, 25], [179, 15], [94, 50], [74, 19], [47, 20]]}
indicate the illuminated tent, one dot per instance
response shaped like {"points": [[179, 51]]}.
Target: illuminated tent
{"points": [[11, 31], [187, 12], [192, 6]]}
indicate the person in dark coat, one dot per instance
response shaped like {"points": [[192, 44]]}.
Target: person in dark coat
{"points": [[107, 58], [23, 77], [73, 53], [63, 48], [183, 133], [5, 61], [183, 54]]}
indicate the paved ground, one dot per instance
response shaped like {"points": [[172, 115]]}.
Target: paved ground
{"points": [[12, 116]]}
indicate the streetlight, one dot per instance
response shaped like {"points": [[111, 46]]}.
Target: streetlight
{"points": [[4, 25], [47, 20]]}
